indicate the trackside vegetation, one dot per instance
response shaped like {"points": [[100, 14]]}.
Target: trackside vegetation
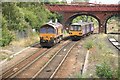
{"points": [[21, 16], [104, 71], [89, 44]]}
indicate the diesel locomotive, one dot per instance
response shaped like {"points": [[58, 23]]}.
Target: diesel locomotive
{"points": [[77, 30], [51, 33]]}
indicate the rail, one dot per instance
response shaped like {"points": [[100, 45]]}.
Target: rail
{"points": [[24, 65], [51, 67]]}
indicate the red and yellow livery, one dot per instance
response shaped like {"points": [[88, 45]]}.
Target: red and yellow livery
{"points": [[51, 33]]}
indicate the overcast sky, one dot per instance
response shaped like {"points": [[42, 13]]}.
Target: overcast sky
{"points": [[103, 1], [106, 1]]}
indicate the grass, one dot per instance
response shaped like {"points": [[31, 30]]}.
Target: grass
{"points": [[79, 77], [8, 59], [88, 44], [3, 55], [18, 45], [100, 52], [26, 41]]}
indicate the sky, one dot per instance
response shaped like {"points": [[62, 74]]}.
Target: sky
{"points": [[106, 1], [102, 1]]}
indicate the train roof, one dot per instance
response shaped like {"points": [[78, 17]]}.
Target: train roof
{"points": [[55, 25], [82, 23]]}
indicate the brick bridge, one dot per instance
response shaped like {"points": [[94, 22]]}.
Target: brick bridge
{"points": [[101, 12]]}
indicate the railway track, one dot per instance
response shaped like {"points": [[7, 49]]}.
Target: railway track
{"points": [[114, 42], [52, 66], [30, 50], [24, 67], [10, 70], [24, 62]]}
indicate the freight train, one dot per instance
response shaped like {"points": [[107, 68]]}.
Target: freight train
{"points": [[77, 30], [50, 34]]}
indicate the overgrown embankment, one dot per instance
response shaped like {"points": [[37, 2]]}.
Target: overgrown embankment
{"points": [[20, 24], [20, 19]]}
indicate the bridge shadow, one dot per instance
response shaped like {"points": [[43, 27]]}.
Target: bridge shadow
{"points": [[114, 33], [36, 45], [66, 38]]}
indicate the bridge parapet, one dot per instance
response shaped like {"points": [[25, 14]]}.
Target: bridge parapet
{"points": [[73, 8]]}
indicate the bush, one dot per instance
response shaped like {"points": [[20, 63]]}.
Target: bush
{"points": [[7, 37], [104, 71], [89, 45]]}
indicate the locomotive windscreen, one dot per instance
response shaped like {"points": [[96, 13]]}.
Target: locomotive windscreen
{"points": [[47, 29], [75, 27]]}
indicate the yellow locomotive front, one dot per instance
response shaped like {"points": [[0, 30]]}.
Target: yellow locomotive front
{"points": [[49, 34], [75, 31]]}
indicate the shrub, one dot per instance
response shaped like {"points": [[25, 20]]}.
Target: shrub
{"points": [[88, 45], [7, 37], [104, 71], [101, 45]]}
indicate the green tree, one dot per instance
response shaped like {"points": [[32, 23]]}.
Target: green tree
{"points": [[7, 36], [83, 18], [80, 0], [19, 16]]}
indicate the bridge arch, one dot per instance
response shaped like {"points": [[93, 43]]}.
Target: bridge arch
{"points": [[101, 12], [70, 19], [106, 20]]}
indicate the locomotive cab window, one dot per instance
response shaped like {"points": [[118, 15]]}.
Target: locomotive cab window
{"points": [[50, 30], [43, 30], [47, 29], [75, 27]]}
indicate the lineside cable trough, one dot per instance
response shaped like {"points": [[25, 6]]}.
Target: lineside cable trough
{"points": [[115, 43]]}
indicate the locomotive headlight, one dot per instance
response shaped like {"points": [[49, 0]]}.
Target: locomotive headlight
{"points": [[51, 38]]}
